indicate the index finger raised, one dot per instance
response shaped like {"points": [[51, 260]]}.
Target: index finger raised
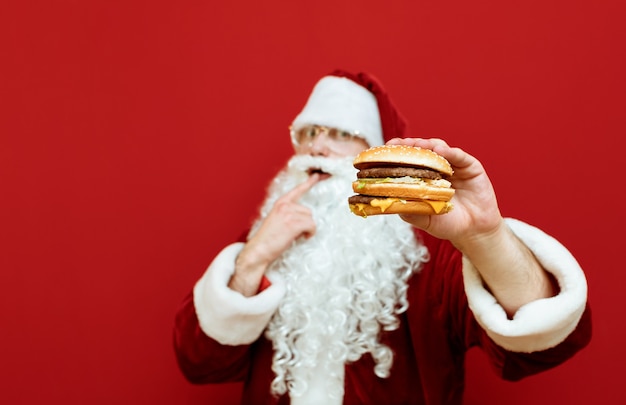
{"points": [[299, 190]]}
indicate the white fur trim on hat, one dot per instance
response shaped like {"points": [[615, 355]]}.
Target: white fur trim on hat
{"points": [[341, 103], [541, 324], [226, 315]]}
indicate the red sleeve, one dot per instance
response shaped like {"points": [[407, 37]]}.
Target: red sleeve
{"points": [[202, 359], [442, 282]]}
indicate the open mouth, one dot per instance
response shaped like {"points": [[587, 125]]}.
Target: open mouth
{"points": [[323, 175]]}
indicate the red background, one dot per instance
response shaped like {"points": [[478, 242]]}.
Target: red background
{"points": [[137, 138]]}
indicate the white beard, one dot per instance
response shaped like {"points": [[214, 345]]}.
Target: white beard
{"points": [[345, 284]]}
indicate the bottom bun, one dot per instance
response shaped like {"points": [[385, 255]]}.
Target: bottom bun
{"points": [[382, 206]]}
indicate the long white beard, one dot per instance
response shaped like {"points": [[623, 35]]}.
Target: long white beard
{"points": [[345, 284]]}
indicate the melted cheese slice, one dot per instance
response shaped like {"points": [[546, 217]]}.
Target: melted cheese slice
{"points": [[384, 204], [438, 206]]}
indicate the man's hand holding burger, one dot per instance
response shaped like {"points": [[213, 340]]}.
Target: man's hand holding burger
{"points": [[476, 227], [475, 207], [287, 221]]}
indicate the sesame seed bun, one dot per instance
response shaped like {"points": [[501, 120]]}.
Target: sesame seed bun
{"points": [[402, 155]]}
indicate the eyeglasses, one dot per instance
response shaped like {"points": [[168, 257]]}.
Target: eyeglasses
{"points": [[307, 134]]}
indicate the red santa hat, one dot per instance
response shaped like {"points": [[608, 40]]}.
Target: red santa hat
{"points": [[355, 103]]}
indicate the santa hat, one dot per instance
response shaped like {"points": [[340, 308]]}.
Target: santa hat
{"points": [[355, 103]]}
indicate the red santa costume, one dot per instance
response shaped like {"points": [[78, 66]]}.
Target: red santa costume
{"points": [[369, 311]]}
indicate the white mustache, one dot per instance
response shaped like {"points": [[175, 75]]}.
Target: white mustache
{"points": [[336, 166]]}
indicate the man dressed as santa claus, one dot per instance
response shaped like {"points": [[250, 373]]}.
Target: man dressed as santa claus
{"points": [[320, 306]]}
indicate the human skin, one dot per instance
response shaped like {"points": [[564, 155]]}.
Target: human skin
{"points": [[475, 226]]}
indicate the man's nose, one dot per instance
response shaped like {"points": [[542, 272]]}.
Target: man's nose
{"points": [[319, 145]]}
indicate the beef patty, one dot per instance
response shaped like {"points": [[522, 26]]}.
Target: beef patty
{"points": [[361, 199], [382, 172]]}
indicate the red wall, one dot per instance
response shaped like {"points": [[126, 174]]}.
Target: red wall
{"points": [[137, 138]]}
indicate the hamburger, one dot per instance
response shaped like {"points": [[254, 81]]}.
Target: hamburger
{"points": [[400, 179]]}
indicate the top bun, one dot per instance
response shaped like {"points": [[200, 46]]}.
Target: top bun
{"points": [[402, 155]]}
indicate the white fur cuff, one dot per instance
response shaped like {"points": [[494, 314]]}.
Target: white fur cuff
{"points": [[224, 314], [540, 324]]}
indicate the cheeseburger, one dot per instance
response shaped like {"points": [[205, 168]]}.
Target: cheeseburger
{"points": [[399, 179]]}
